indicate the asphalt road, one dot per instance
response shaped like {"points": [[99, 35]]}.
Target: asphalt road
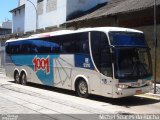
{"points": [[42, 102]]}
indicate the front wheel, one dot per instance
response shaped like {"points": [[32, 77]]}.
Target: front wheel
{"points": [[23, 78], [82, 89]]}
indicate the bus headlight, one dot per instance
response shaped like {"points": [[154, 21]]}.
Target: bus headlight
{"points": [[122, 86]]}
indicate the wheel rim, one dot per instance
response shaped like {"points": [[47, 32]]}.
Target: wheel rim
{"points": [[23, 79], [83, 88], [17, 78]]}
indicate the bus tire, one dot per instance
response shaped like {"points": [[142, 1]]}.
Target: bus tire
{"points": [[23, 78], [16, 77], [82, 88]]}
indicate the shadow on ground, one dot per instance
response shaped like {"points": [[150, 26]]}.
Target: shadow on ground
{"points": [[126, 101]]}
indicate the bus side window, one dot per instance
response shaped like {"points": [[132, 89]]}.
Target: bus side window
{"points": [[15, 47], [8, 48], [67, 44], [106, 63], [84, 45], [101, 53], [95, 46]]}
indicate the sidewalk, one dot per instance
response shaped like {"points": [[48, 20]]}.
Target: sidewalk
{"points": [[2, 70], [151, 93]]}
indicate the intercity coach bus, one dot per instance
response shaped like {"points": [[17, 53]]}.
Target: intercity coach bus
{"points": [[108, 61]]}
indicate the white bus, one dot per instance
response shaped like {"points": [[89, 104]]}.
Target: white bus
{"points": [[108, 61]]}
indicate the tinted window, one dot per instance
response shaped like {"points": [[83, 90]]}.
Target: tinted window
{"points": [[65, 44], [132, 63], [101, 53], [127, 39]]}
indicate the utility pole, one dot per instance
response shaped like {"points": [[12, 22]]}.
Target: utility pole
{"points": [[155, 49]]}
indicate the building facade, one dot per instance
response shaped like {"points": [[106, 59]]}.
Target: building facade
{"points": [[7, 24], [52, 13], [2, 44], [21, 2], [3, 33], [32, 15], [18, 17]]}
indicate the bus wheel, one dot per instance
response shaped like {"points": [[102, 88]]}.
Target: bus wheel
{"points": [[23, 79], [16, 77], [82, 89]]}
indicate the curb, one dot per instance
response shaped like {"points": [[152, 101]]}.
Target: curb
{"points": [[153, 95], [150, 95]]}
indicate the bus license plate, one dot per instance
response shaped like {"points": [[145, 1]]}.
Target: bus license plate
{"points": [[138, 92]]}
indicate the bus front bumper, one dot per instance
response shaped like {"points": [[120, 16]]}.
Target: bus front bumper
{"points": [[131, 91]]}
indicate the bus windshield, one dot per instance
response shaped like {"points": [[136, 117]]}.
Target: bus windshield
{"points": [[132, 63], [127, 39]]}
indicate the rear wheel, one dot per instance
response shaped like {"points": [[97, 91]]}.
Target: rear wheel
{"points": [[16, 77], [82, 89], [23, 79]]}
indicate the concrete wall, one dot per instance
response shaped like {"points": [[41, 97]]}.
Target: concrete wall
{"points": [[1, 58], [1, 53], [21, 2], [18, 21], [81, 5], [54, 13]]}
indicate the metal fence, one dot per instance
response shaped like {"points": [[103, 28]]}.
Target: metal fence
{"points": [[157, 89]]}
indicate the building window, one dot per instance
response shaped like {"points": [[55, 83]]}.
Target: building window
{"points": [[64, 44], [40, 7], [51, 5], [38, 1]]}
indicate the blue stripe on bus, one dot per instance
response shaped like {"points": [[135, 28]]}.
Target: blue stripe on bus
{"points": [[43, 76], [83, 61]]}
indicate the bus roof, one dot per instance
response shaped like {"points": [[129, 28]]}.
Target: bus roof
{"points": [[65, 32]]}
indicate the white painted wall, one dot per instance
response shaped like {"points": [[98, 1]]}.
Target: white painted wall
{"points": [[30, 16], [21, 2], [55, 17], [18, 21], [47, 19], [81, 5]]}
